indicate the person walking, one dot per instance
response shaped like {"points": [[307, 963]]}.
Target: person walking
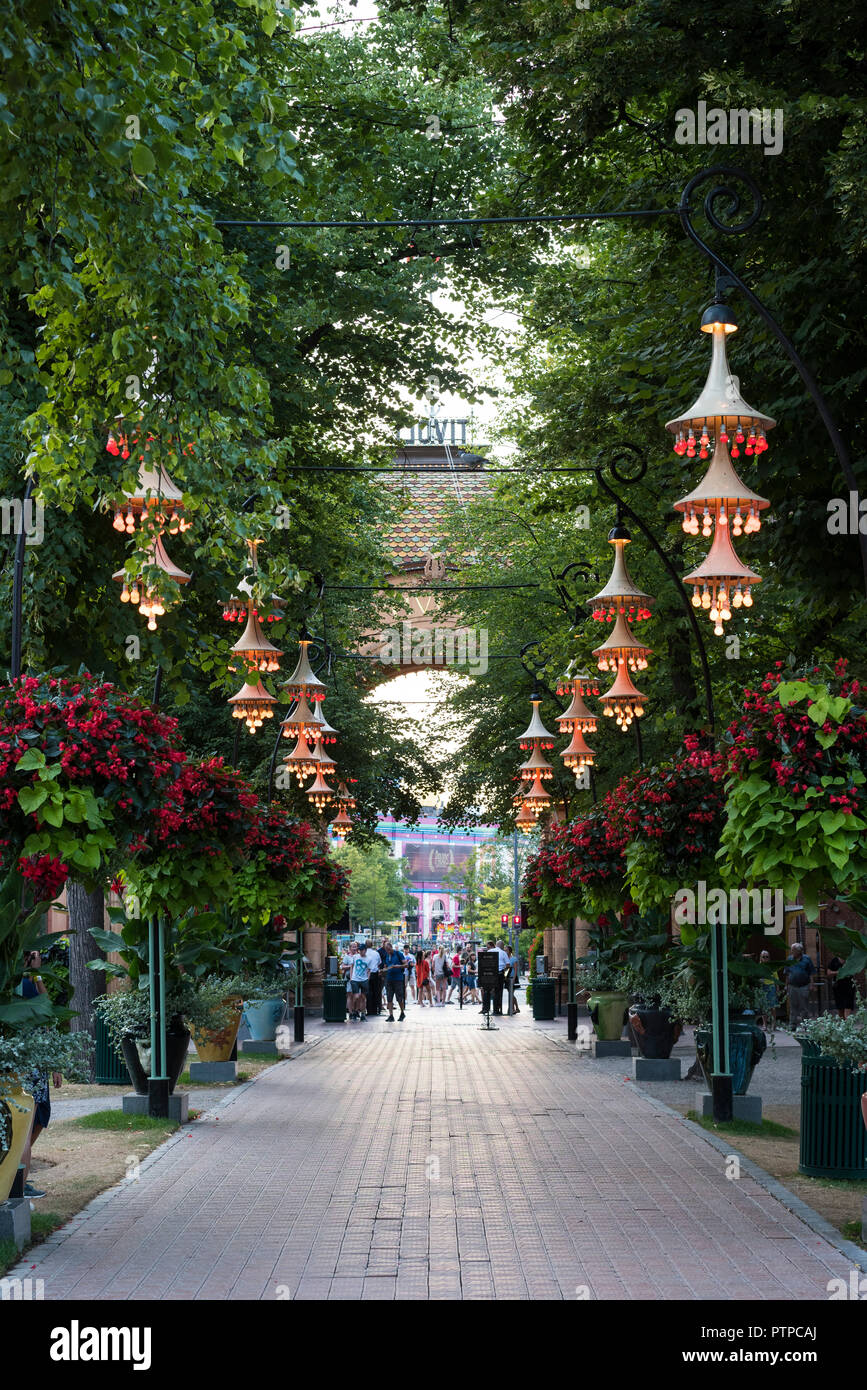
{"points": [[769, 1008], [472, 979], [394, 972], [842, 990], [374, 987], [514, 968], [502, 977], [360, 974], [440, 977], [798, 971], [422, 974], [410, 974], [455, 981]]}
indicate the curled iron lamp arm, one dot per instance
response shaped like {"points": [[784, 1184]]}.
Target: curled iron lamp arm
{"points": [[636, 454], [720, 191]]}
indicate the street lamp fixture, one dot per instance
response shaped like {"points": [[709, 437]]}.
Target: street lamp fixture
{"points": [[720, 424], [622, 652]]}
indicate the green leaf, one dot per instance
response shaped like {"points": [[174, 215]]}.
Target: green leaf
{"points": [[52, 813], [30, 760], [31, 797], [143, 161]]}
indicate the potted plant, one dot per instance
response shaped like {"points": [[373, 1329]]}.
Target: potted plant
{"points": [[687, 993], [645, 950], [127, 1017], [31, 1038], [601, 974], [833, 1092]]}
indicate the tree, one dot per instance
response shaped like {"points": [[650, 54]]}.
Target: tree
{"points": [[377, 886]]}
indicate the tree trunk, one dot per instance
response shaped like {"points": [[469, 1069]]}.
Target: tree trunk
{"points": [[86, 910]]}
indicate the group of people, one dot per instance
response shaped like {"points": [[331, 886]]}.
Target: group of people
{"points": [[430, 977], [799, 973]]}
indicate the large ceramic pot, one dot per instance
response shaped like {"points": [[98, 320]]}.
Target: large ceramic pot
{"points": [[216, 1045], [261, 1017], [607, 1008], [654, 1030], [137, 1055], [18, 1120], [747, 1045]]}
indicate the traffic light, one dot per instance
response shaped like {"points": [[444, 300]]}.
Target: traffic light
{"points": [[504, 920], [516, 920]]}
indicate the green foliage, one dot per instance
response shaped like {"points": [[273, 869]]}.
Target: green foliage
{"points": [[378, 888], [843, 1039]]}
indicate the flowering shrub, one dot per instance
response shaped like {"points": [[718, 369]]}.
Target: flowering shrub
{"points": [[673, 818], [185, 855], [578, 870], [289, 872], [797, 804], [81, 763]]}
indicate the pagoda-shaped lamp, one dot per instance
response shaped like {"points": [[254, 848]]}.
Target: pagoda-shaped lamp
{"points": [[300, 761], [342, 824], [721, 425], [145, 594], [253, 647], [301, 722], [303, 681], [319, 794], [537, 800], [622, 652], [525, 821], [254, 704], [345, 797], [156, 504]]}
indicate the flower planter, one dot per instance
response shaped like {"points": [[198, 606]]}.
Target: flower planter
{"points": [[137, 1055], [654, 1030], [747, 1045], [20, 1129], [261, 1017], [216, 1044], [607, 1008], [833, 1139]]}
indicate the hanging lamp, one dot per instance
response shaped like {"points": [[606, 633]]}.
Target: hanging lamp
{"points": [[721, 424], [253, 646], [537, 800], [345, 797], [156, 504], [341, 825], [145, 594], [303, 681], [300, 761], [253, 704], [525, 821], [319, 794], [301, 722], [622, 652]]}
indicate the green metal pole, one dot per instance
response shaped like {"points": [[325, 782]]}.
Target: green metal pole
{"points": [[152, 990], [161, 930], [721, 1080]]}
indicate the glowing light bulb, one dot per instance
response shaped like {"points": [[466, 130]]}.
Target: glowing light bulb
{"points": [[152, 624], [718, 630], [134, 595], [705, 601], [124, 595], [722, 518], [748, 599]]}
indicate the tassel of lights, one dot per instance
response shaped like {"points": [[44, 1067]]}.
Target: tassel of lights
{"points": [[254, 704], [145, 594], [577, 719], [538, 740], [721, 425], [622, 652], [156, 505], [303, 681], [342, 823], [537, 800], [525, 821], [319, 794]]}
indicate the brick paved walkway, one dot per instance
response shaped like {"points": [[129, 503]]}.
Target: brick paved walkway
{"points": [[361, 1169]]}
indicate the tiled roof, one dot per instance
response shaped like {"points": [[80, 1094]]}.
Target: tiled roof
{"points": [[419, 532]]}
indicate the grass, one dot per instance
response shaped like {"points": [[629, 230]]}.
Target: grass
{"points": [[853, 1230], [116, 1119], [768, 1129], [41, 1226]]}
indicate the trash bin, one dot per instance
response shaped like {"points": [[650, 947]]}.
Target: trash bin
{"points": [[543, 998], [333, 1000], [833, 1133], [109, 1069]]}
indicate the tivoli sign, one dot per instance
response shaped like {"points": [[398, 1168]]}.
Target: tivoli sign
{"points": [[435, 431]]}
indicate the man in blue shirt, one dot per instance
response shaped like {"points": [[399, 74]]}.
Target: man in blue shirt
{"points": [[393, 964]]}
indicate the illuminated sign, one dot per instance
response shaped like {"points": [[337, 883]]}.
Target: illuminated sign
{"points": [[435, 431]]}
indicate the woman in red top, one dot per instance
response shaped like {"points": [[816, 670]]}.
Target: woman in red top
{"points": [[422, 975]]}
